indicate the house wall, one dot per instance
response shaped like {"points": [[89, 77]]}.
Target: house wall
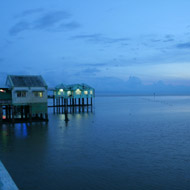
{"points": [[74, 94], [30, 98]]}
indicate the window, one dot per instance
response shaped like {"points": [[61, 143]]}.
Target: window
{"points": [[91, 92], [38, 94], [60, 92], [86, 92], [21, 94], [69, 93], [78, 91]]}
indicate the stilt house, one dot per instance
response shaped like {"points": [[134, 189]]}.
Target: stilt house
{"points": [[25, 97], [74, 91]]}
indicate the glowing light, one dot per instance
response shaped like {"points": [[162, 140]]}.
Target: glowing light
{"points": [[85, 92], [69, 93], [1, 90], [91, 92], [78, 91], [40, 94], [61, 90]]}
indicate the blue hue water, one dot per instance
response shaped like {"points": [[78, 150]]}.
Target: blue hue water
{"points": [[126, 143]]}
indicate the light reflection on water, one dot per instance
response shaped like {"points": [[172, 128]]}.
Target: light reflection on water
{"points": [[128, 143]]}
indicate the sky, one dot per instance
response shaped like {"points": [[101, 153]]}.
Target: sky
{"points": [[104, 43]]}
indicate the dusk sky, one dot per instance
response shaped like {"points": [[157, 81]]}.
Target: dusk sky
{"points": [[96, 41]]}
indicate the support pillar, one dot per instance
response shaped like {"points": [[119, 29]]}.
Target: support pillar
{"points": [[1, 114]]}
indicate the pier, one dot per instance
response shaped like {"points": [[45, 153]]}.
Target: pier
{"points": [[28, 98], [70, 105]]}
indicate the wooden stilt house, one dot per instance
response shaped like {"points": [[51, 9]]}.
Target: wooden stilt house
{"points": [[74, 95], [27, 97]]}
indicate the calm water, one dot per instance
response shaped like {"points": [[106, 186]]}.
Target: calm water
{"points": [[126, 143]]}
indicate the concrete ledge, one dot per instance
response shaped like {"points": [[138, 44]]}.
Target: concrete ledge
{"points": [[6, 182]]}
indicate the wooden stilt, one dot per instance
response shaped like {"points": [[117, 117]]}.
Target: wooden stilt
{"points": [[1, 114], [46, 116], [53, 104], [21, 112], [13, 114], [62, 104]]}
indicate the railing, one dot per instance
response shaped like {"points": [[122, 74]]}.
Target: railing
{"points": [[5, 102]]}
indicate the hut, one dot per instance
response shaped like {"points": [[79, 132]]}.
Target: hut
{"points": [[27, 95], [73, 95], [74, 91]]}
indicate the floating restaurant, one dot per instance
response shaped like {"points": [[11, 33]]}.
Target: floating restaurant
{"points": [[25, 99]]}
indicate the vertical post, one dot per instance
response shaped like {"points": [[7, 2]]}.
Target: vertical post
{"points": [[91, 101], [59, 104], [21, 112], [82, 104], [9, 111], [13, 114], [25, 112], [54, 104], [62, 103], [79, 101], [1, 113], [87, 101], [30, 115], [6, 112], [46, 116], [75, 102]]}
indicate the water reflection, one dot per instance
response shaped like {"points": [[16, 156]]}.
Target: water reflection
{"points": [[10, 133], [21, 130]]}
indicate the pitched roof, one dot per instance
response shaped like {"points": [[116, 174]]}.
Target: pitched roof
{"points": [[74, 87], [26, 81]]}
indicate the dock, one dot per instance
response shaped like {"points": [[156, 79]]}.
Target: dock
{"points": [[71, 105], [27, 99]]}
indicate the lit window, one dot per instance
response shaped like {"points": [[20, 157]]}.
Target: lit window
{"points": [[91, 92], [38, 94], [21, 94], [78, 91], [85, 92], [60, 92], [69, 93]]}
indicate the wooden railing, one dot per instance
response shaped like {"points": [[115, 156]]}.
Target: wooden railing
{"points": [[5, 102]]}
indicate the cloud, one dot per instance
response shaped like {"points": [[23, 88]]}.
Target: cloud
{"points": [[55, 21], [183, 45], [134, 86], [19, 27], [99, 38], [30, 12], [50, 19], [88, 72], [94, 64], [91, 70], [69, 26]]}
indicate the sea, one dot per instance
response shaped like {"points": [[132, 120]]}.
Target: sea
{"points": [[124, 143]]}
